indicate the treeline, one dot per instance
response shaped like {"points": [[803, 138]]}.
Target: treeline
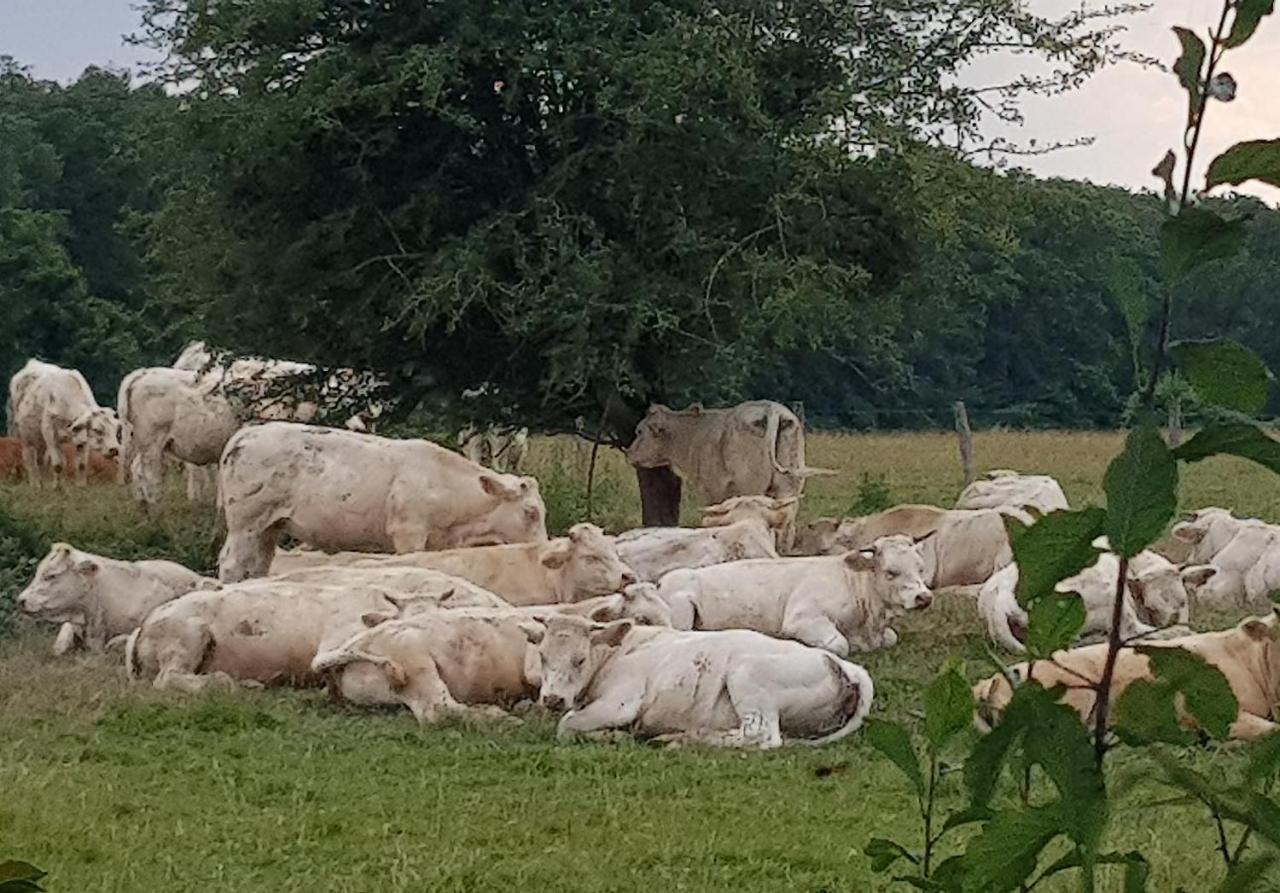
{"points": [[132, 220]]}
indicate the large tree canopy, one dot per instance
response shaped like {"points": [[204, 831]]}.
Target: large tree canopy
{"points": [[573, 201]]}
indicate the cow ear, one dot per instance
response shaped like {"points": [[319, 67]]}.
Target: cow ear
{"points": [[612, 634], [861, 560], [376, 618], [1258, 630], [1198, 574], [533, 631], [494, 486], [555, 555], [577, 533], [1136, 588], [920, 539], [87, 568], [603, 613]]}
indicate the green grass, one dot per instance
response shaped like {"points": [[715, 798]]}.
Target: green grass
{"points": [[113, 787]]}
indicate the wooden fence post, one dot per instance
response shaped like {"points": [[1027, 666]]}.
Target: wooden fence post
{"points": [[966, 442]]}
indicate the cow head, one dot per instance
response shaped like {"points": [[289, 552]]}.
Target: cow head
{"points": [[898, 569], [641, 602], [656, 437], [98, 431], [64, 583], [572, 650], [585, 563], [1208, 531], [1159, 591], [816, 537], [518, 514]]}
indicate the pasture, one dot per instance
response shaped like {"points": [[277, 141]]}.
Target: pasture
{"points": [[112, 787]]}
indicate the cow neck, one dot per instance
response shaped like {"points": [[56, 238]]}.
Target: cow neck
{"points": [[605, 661]]}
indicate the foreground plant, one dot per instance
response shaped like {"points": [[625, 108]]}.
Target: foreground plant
{"points": [[1061, 793]]}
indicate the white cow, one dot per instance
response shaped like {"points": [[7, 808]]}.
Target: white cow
{"points": [[1244, 552], [1002, 488], [97, 599], [733, 688], [775, 515], [653, 552], [1155, 598], [49, 407], [410, 589], [841, 603], [341, 490]]}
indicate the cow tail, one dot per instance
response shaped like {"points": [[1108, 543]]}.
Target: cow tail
{"points": [[132, 667], [772, 429], [856, 693], [124, 414]]}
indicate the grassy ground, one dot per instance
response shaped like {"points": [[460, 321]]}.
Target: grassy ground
{"points": [[118, 788]]}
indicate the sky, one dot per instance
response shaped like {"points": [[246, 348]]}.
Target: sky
{"points": [[1134, 115]]}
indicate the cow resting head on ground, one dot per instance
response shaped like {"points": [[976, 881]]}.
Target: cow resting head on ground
{"points": [[572, 650], [64, 580]]}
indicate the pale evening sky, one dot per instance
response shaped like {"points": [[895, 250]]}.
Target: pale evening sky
{"points": [[1133, 114]]}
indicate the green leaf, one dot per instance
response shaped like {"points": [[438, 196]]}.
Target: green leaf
{"points": [[967, 817], [1241, 805], [884, 853], [948, 706], [1196, 237], [1135, 863], [1141, 485], [1055, 547], [1206, 693], [982, 769], [1126, 281], [1248, 14], [1250, 160], [1054, 621], [1232, 439], [20, 877], [1136, 872], [1188, 69], [1004, 855], [1225, 373], [894, 742], [1059, 743], [1264, 757], [1145, 713], [1246, 875]]}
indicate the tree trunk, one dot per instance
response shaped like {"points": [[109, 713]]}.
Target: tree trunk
{"points": [[659, 497]]}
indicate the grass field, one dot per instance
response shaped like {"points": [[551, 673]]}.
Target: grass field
{"points": [[119, 788]]}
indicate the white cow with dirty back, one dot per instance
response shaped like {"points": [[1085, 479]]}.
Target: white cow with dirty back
{"points": [[96, 598], [732, 688], [50, 407], [338, 490], [841, 603]]}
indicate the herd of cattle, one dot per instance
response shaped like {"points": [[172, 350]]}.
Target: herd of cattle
{"points": [[428, 580]]}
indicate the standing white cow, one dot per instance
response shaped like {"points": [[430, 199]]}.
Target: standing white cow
{"points": [[1002, 488], [97, 598], [734, 688], [341, 490], [50, 406], [839, 603]]}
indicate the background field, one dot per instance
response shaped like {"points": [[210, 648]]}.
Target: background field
{"points": [[117, 788]]}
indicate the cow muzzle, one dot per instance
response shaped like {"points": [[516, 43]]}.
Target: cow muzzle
{"points": [[553, 702], [629, 579], [923, 600]]}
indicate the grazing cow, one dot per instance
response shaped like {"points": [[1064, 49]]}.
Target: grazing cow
{"points": [[262, 632], [734, 688], [653, 552], [341, 490], [775, 515], [171, 412], [963, 547], [96, 598], [581, 565], [754, 448], [502, 449], [464, 660], [1248, 655], [841, 603], [1155, 598], [1002, 488], [50, 408]]}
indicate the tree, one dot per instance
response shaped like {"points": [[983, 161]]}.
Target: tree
{"points": [[590, 205]]}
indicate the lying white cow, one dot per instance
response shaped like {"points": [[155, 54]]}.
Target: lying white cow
{"points": [[1001, 488], [409, 588], [96, 598], [1244, 553], [570, 568], [50, 407], [841, 603], [653, 552], [340, 490], [466, 660], [732, 689], [775, 515], [264, 632], [1248, 655], [1155, 598]]}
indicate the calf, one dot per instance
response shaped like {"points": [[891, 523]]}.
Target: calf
{"points": [[96, 598], [839, 603], [1248, 655], [732, 689]]}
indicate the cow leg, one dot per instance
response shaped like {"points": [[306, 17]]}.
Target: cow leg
{"points": [[408, 537], [199, 481], [1248, 727], [147, 470], [818, 632], [602, 716], [82, 464], [194, 683], [760, 725], [68, 635], [246, 554], [683, 612], [31, 462]]}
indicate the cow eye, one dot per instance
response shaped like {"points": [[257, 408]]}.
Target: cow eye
{"points": [[892, 575], [578, 662]]}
